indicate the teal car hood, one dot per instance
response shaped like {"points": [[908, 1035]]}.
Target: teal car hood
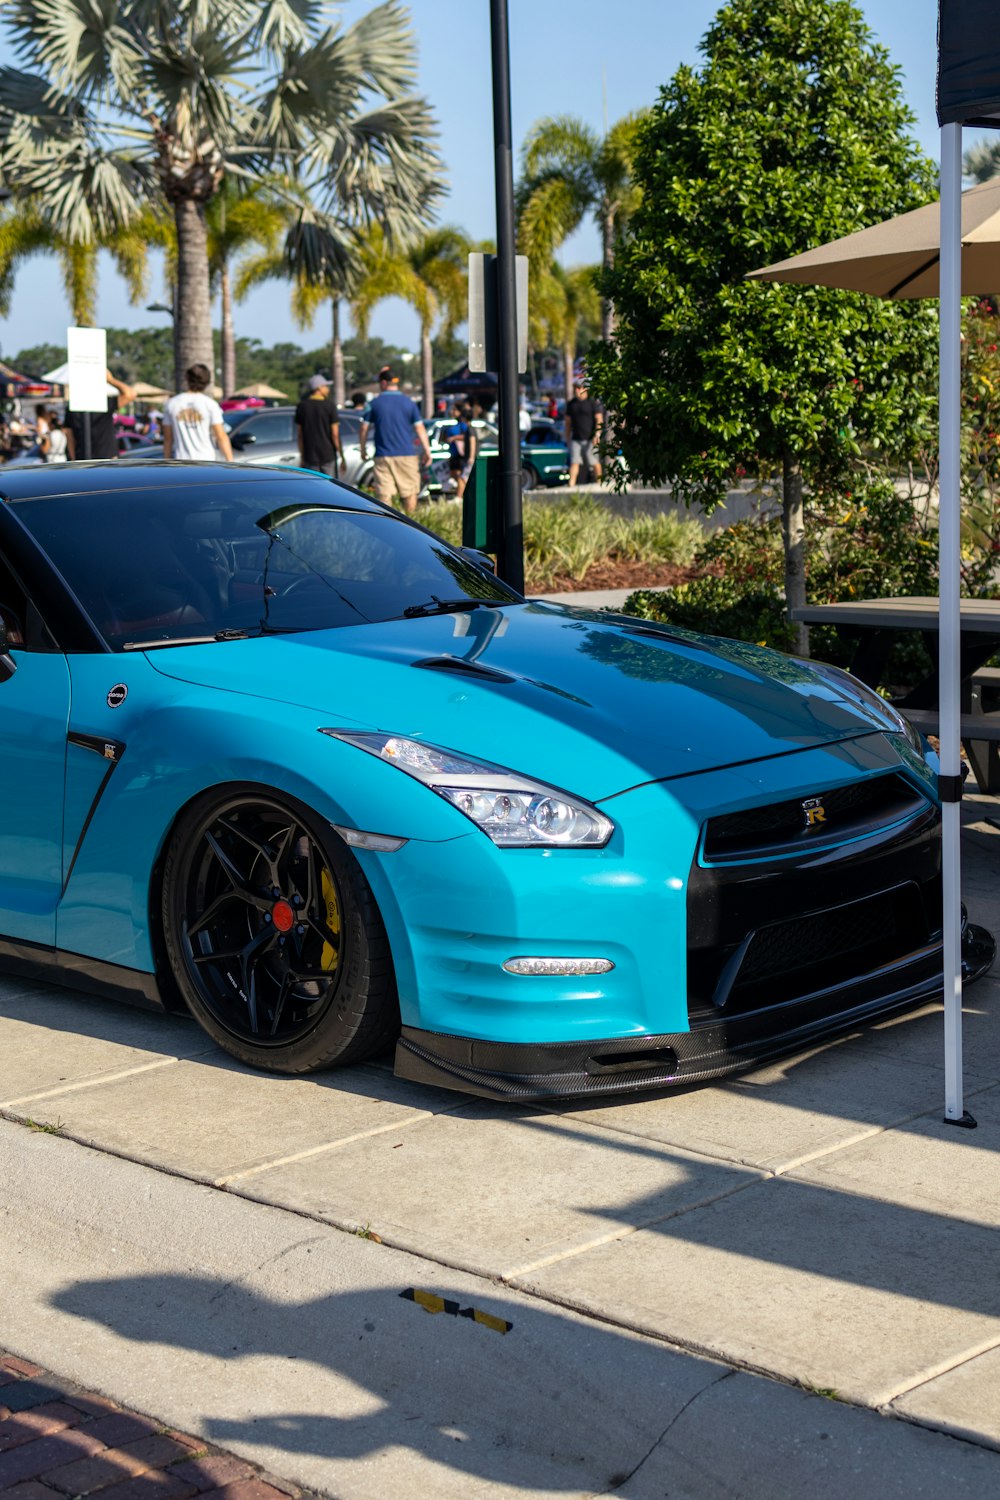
{"points": [[583, 700]]}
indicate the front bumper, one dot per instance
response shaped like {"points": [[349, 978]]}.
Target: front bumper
{"points": [[711, 1049]]}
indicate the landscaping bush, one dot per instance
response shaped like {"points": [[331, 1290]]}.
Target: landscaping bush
{"points": [[565, 539]]}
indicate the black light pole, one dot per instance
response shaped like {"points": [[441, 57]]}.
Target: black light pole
{"points": [[511, 560]]}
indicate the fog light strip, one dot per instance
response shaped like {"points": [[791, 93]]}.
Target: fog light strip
{"points": [[563, 966]]}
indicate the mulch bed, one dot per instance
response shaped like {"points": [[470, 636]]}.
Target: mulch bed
{"points": [[627, 573]]}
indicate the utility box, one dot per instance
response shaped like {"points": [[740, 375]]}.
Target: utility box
{"points": [[481, 519]]}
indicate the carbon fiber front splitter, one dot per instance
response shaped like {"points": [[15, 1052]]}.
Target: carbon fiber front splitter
{"points": [[626, 1065]]}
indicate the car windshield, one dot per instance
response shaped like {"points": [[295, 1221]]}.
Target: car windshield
{"points": [[191, 563]]}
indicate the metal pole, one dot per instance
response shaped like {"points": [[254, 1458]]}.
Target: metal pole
{"points": [[950, 304], [511, 560]]}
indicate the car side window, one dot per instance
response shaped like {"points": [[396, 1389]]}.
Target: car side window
{"points": [[270, 427], [13, 606]]}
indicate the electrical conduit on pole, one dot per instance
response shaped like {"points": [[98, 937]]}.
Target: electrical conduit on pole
{"points": [[511, 560]]}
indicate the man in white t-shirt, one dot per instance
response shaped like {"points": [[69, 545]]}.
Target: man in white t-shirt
{"points": [[192, 422]]}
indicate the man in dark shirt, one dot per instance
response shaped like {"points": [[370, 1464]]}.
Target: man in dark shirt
{"points": [[103, 432], [584, 419], [317, 428]]}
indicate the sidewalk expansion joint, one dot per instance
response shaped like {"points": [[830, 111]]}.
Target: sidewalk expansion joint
{"points": [[627, 1230], [345, 1140], [88, 1083], [945, 1367]]}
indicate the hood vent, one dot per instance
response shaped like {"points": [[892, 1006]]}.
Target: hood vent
{"points": [[460, 666]]}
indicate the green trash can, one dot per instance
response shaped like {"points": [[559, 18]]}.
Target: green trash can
{"points": [[481, 518]]}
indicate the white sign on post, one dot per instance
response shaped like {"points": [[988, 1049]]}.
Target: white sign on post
{"points": [[87, 351]]}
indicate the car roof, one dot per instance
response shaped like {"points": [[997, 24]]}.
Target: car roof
{"points": [[100, 475]]}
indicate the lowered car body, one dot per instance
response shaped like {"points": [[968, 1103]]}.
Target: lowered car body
{"points": [[288, 760]]}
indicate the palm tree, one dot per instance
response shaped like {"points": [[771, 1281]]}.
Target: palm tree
{"points": [[117, 105], [432, 276], [565, 312], [25, 233], [570, 172], [242, 214], [982, 161]]}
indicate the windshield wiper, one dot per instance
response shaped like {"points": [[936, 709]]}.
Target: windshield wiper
{"points": [[186, 640], [436, 606]]}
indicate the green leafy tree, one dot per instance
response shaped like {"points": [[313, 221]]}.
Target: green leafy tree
{"points": [[792, 133], [570, 172], [119, 104]]}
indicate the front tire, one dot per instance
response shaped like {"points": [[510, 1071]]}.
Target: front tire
{"points": [[273, 934], [528, 477]]}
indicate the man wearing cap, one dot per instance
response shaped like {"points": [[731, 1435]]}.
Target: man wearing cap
{"points": [[317, 428], [396, 423]]}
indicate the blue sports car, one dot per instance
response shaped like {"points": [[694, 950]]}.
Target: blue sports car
{"points": [[277, 755]]}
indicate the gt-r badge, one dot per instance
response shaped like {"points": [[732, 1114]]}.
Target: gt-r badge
{"points": [[117, 695], [110, 751], [815, 812]]}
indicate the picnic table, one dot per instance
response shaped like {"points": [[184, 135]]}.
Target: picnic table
{"points": [[877, 624]]}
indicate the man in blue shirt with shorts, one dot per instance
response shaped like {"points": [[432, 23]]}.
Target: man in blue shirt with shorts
{"points": [[396, 423]]}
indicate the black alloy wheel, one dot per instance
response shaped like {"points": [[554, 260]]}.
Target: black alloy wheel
{"points": [[273, 934]]}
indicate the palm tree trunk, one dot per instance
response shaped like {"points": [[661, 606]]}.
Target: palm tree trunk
{"points": [[427, 372], [193, 323], [793, 535], [608, 319], [228, 333], [569, 356], [337, 356]]}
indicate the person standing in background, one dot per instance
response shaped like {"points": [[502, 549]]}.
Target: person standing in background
{"points": [[584, 419], [192, 422], [317, 429], [103, 433], [398, 428]]}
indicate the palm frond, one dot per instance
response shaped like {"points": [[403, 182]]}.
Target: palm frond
{"points": [[560, 143], [79, 270], [86, 194], [549, 211], [80, 43]]}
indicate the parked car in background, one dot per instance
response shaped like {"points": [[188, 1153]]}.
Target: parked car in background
{"points": [[544, 455]]}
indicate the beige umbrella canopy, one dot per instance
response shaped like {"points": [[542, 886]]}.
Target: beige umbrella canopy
{"points": [[146, 392], [261, 390], [899, 258]]}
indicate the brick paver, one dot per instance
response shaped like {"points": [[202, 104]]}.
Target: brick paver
{"points": [[58, 1442]]}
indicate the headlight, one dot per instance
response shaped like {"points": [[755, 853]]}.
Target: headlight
{"points": [[515, 811], [853, 687]]}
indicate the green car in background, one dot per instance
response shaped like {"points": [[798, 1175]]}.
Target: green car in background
{"points": [[544, 455]]}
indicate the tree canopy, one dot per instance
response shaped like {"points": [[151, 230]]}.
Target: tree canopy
{"points": [[792, 133]]}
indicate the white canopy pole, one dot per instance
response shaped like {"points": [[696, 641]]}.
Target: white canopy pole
{"points": [[950, 619]]}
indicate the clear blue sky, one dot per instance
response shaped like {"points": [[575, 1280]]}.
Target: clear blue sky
{"points": [[567, 57]]}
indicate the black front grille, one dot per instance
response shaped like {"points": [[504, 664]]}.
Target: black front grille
{"points": [[821, 937], [847, 811]]}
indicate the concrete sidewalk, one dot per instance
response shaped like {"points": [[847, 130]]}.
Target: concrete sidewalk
{"points": [[245, 1257]]}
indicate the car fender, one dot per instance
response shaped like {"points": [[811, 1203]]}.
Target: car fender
{"points": [[186, 742]]}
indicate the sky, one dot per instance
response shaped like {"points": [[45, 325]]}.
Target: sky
{"points": [[594, 59]]}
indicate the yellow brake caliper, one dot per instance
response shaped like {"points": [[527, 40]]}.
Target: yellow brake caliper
{"points": [[329, 957]]}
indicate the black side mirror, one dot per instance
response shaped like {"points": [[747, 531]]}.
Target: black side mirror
{"points": [[479, 559], [8, 666], [242, 439]]}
